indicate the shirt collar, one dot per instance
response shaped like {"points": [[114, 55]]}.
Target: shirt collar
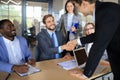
{"points": [[50, 32], [7, 40], [70, 14]]}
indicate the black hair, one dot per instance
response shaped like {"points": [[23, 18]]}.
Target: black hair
{"points": [[2, 22]]}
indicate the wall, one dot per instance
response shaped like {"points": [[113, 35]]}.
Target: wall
{"points": [[58, 8]]}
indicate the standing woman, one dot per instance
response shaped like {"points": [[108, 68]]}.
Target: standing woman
{"points": [[70, 22]]}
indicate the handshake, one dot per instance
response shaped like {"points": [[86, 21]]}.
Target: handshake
{"points": [[69, 46]]}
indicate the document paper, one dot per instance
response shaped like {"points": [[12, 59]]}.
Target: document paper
{"points": [[67, 65], [30, 71]]}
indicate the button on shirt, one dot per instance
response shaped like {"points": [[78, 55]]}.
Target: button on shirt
{"points": [[14, 51], [69, 21]]}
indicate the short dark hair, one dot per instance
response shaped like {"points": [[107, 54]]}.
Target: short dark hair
{"points": [[75, 9], [46, 16], [2, 22], [80, 1]]}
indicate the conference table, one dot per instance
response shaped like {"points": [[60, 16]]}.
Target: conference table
{"points": [[51, 71]]}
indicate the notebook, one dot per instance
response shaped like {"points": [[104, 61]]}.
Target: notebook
{"points": [[30, 71], [80, 57]]}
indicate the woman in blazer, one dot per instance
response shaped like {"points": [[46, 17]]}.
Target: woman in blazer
{"points": [[69, 21]]}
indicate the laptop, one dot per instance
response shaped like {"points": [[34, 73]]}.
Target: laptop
{"points": [[80, 57], [80, 60]]}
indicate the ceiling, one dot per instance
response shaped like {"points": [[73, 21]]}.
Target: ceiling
{"points": [[18, 2]]}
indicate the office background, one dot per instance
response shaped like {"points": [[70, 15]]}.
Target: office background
{"points": [[29, 13]]}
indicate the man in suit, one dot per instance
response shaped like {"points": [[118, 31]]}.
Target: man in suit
{"points": [[46, 45], [106, 36], [14, 52]]}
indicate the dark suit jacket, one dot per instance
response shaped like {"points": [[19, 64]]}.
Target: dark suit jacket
{"points": [[46, 46], [106, 36]]}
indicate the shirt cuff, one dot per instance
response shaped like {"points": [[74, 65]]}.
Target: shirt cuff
{"points": [[79, 42], [85, 76], [60, 49]]}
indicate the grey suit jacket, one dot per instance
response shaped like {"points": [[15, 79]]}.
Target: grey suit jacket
{"points": [[62, 25], [46, 46]]}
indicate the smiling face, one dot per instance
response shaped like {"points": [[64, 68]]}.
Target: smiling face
{"points": [[50, 23], [8, 30], [70, 7]]}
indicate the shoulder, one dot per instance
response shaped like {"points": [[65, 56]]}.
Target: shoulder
{"points": [[42, 33], [58, 33], [20, 38], [0, 38], [78, 16], [64, 15], [109, 6]]}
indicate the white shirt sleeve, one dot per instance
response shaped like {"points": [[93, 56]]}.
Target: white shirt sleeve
{"points": [[79, 42]]}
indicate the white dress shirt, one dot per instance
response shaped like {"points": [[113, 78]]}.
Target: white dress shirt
{"points": [[14, 51], [69, 21]]}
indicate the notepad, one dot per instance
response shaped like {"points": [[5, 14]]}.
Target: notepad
{"points": [[67, 65], [30, 71]]}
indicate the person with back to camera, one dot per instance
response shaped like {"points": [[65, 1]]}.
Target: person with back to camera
{"points": [[106, 35], [14, 52]]}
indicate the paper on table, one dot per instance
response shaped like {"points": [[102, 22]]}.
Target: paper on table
{"points": [[67, 65], [30, 71]]}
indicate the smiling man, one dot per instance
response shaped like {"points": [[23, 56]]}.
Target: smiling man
{"points": [[51, 43], [14, 52]]}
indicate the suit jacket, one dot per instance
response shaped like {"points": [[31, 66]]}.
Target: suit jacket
{"points": [[4, 59], [62, 26], [106, 36], [46, 46]]}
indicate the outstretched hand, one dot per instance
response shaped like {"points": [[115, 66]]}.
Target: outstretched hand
{"points": [[70, 45]]}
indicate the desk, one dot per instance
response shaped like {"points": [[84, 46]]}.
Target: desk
{"points": [[49, 71]]}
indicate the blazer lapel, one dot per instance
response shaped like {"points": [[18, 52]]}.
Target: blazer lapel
{"points": [[47, 35], [65, 21], [2, 44]]}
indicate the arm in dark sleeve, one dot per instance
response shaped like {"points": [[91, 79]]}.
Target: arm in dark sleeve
{"points": [[105, 30]]}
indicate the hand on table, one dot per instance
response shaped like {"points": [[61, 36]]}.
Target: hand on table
{"points": [[68, 56], [20, 68], [31, 61], [78, 73]]}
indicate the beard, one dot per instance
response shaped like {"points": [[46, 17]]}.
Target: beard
{"points": [[11, 34], [51, 29]]}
